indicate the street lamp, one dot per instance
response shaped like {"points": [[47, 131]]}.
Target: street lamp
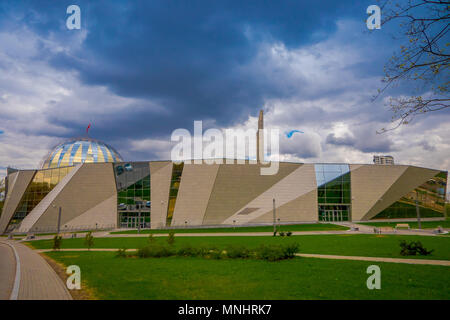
{"points": [[59, 218], [418, 210], [274, 219]]}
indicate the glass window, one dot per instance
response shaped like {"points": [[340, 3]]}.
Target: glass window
{"points": [[42, 183], [430, 199], [177, 171]]}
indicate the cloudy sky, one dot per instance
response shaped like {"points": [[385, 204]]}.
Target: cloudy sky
{"points": [[139, 70]]}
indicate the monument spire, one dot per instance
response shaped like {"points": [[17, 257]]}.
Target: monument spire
{"points": [[260, 138]]}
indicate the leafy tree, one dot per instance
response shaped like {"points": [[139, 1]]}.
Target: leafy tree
{"points": [[89, 240], [57, 240], [423, 59], [171, 237]]}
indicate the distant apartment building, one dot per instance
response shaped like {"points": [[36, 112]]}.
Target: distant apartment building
{"points": [[383, 160]]}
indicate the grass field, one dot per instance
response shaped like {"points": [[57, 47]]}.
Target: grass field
{"points": [[110, 277], [284, 228], [354, 245], [412, 224]]}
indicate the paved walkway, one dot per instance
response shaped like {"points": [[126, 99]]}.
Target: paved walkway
{"points": [[37, 281], [8, 271], [306, 255]]}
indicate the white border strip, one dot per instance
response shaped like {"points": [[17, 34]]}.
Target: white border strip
{"points": [[15, 290]]}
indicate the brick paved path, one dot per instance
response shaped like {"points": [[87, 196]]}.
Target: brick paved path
{"points": [[7, 271], [38, 281]]}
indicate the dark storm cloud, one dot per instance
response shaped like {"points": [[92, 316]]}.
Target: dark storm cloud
{"points": [[363, 139], [185, 55], [340, 141]]}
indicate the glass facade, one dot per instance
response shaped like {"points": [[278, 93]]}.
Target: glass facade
{"points": [[133, 194], [333, 191], [430, 197], [177, 171], [80, 151], [42, 183]]}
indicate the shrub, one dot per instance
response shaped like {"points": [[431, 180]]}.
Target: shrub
{"points": [[57, 240], [289, 233], [215, 254], [269, 253], [171, 237], [188, 251], [203, 251], [235, 252], [277, 252], [89, 240], [151, 238], [281, 233], [155, 251], [121, 253], [413, 248], [290, 250]]}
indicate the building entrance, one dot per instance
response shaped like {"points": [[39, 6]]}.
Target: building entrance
{"points": [[132, 220], [334, 213]]}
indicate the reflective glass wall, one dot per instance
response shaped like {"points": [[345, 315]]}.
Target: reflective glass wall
{"points": [[430, 197], [133, 194], [333, 191], [177, 171], [41, 184]]}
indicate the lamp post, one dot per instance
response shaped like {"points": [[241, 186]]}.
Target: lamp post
{"points": [[59, 218], [162, 213], [138, 204], [274, 219], [418, 210]]}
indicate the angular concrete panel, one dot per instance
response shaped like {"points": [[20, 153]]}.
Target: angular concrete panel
{"points": [[368, 184], [193, 195], [17, 185], [160, 176], [301, 209], [408, 181], [299, 182], [238, 184], [103, 215]]}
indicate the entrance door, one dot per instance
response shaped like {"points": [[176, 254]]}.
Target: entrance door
{"points": [[334, 213]]}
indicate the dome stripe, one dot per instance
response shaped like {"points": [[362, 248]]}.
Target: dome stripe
{"points": [[75, 148], [63, 153]]}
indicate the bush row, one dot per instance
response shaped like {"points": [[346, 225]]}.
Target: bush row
{"points": [[263, 252]]}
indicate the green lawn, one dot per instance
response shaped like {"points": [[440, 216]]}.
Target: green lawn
{"points": [[354, 245], [301, 278], [285, 228], [412, 224]]}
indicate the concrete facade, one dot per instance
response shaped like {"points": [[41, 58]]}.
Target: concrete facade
{"points": [[218, 194]]}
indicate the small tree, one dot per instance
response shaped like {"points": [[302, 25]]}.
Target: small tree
{"points": [[89, 240], [151, 239], [171, 238], [57, 240]]}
